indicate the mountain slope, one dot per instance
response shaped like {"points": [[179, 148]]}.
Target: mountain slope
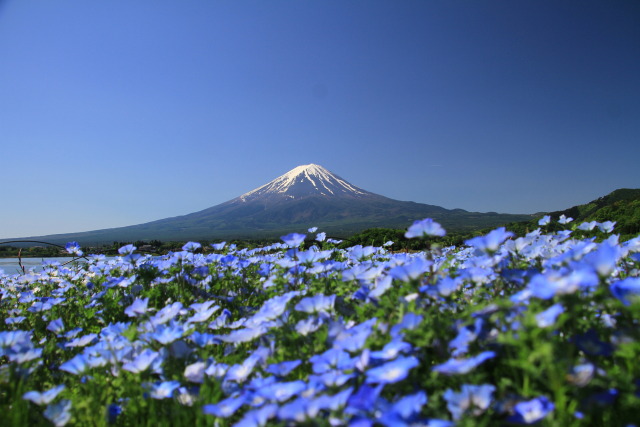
{"points": [[621, 205], [306, 196]]}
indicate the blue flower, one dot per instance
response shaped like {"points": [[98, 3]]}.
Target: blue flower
{"points": [[58, 413], [564, 220], [392, 372], [548, 317], [544, 220], [473, 398], [139, 306], [626, 290], [56, 326], [73, 248], [283, 369], [294, 239], [423, 228], [191, 246], [127, 250], [258, 417], [45, 397], [316, 303], [163, 390], [225, 408], [531, 411], [463, 366], [490, 242], [141, 362]]}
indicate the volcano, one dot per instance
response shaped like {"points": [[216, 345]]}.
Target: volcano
{"points": [[306, 196]]}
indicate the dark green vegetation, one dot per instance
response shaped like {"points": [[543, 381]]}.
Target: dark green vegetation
{"points": [[621, 206]]}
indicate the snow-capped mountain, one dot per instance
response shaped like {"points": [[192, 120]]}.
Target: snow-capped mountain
{"points": [[306, 196], [305, 181]]}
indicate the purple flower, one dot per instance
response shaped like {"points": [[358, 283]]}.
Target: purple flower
{"points": [[423, 228]]}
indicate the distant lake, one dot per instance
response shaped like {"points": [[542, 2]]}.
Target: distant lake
{"points": [[11, 266]]}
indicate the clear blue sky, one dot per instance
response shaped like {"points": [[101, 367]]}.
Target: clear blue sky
{"points": [[120, 112]]}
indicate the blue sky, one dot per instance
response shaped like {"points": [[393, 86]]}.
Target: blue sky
{"points": [[122, 112]]}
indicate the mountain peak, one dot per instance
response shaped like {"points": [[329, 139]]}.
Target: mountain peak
{"points": [[303, 181]]}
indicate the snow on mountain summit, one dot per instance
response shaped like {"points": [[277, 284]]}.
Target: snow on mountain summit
{"points": [[303, 181]]}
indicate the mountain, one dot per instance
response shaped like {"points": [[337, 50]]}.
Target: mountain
{"points": [[304, 197]]}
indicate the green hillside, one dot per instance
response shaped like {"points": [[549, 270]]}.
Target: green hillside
{"points": [[621, 206]]}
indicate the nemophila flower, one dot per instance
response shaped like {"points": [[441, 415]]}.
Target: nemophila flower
{"points": [[191, 246], [141, 362], [293, 239], [195, 372], [243, 335], [580, 375], [607, 226], [321, 237], [58, 413], [217, 370], [531, 411], [354, 338], [127, 249], [258, 417], [167, 313], [392, 372], [545, 220], [392, 349], [56, 326], [14, 320], [331, 359], [163, 390], [548, 317], [82, 341], [463, 366], [423, 228], [138, 307], [474, 399], [221, 320], [316, 303], [45, 397], [225, 408], [73, 248], [311, 324], [587, 226], [282, 391], [491, 241], [564, 219], [218, 246], [166, 334], [604, 259], [410, 321], [364, 399], [626, 290], [203, 315], [411, 270], [408, 406], [76, 365], [312, 229], [283, 369], [334, 378]]}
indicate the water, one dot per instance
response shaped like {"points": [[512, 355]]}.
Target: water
{"points": [[11, 266]]}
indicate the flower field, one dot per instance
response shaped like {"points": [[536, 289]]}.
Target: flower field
{"points": [[541, 329]]}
